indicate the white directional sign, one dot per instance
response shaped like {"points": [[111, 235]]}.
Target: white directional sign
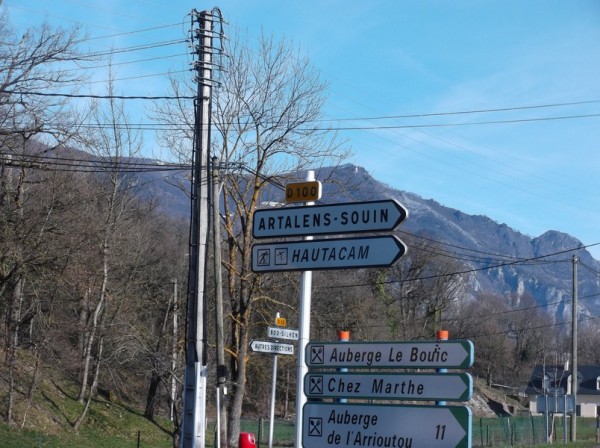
{"points": [[364, 425], [340, 253], [283, 333], [272, 347], [390, 386], [457, 354], [350, 217]]}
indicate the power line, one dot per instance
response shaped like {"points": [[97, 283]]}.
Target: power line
{"points": [[465, 112], [69, 164], [457, 247], [130, 78], [477, 259], [438, 125], [118, 97], [533, 328], [125, 33], [496, 333], [589, 268], [134, 48], [115, 64], [473, 270]]}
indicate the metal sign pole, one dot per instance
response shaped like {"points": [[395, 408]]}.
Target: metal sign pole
{"points": [[273, 390], [303, 338]]}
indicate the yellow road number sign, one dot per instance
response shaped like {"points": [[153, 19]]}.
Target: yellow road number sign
{"points": [[303, 191], [280, 322]]}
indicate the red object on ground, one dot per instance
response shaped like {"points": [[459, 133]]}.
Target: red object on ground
{"points": [[247, 440]]}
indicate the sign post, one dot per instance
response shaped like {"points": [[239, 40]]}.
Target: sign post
{"points": [[303, 336], [275, 348], [309, 254]]}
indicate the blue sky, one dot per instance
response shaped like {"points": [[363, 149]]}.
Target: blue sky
{"points": [[533, 164]]}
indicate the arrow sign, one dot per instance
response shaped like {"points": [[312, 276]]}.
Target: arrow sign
{"points": [[272, 347], [365, 425], [454, 354], [283, 333], [390, 386], [350, 217], [340, 253]]}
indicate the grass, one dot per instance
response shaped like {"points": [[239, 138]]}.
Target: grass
{"points": [[48, 421], [12, 437]]}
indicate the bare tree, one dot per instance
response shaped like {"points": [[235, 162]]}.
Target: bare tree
{"points": [[481, 320], [113, 142], [588, 345], [265, 113], [527, 326], [30, 65], [418, 289]]}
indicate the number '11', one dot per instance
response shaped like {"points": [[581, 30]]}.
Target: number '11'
{"points": [[440, 431]]}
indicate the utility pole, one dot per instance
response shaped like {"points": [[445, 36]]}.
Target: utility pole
{"points": [[574, 316], [196, 370]]}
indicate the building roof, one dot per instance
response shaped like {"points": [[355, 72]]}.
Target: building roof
{"points": [[553, 377]]}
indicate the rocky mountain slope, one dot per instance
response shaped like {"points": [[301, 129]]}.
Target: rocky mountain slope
{"points": [[503, 260]]}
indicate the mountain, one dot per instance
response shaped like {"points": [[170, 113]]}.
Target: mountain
{"points": [[502, 260], [490, 248]]}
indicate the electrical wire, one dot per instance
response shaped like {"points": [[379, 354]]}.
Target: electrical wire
{"points": [[104, 97], [67, 164], [473, 270], [438, 125], [589, 268], [468, 112], [127, 33]]}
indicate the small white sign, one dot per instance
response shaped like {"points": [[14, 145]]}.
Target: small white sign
{"points": [[283, 333], [272, 347]]}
